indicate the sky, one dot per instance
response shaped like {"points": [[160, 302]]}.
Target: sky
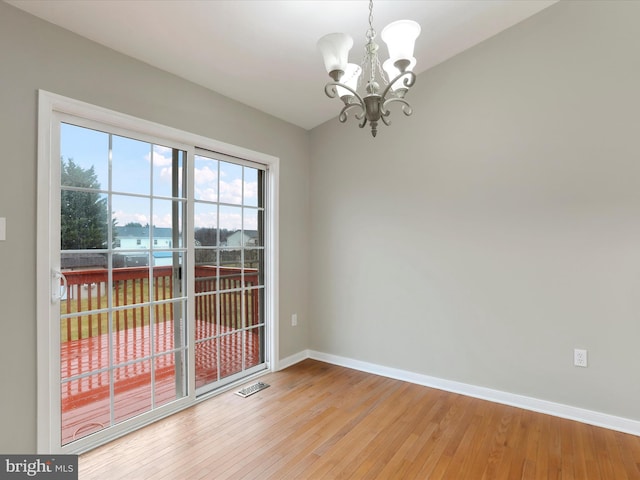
{"points": [[141, 172]]}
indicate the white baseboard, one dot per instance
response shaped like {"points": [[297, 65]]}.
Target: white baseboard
{"points": [[293, 359], [590, 417]]}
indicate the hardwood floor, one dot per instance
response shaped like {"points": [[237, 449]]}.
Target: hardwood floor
{"points": [[320, 421]]}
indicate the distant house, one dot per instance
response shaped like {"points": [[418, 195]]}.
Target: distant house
{"points": [[135, 237], [243, 238]]}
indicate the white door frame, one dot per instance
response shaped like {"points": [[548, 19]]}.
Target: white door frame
{"points": [[48, 336]]}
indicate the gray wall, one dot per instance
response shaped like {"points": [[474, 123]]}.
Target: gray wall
{"points": [[479, 240], [486, 236], [37, 55]]}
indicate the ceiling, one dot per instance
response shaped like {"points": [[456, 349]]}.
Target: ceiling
{"points": [[263, 53]]}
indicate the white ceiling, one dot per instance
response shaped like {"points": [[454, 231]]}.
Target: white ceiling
{"points": [[262, 52]]}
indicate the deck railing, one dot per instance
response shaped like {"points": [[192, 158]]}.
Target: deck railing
{"points": [[87, 292], [84, 336]]}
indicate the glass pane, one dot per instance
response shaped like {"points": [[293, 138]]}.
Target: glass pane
{"points": [[163, 288], [252, 227], [253, 301], [206, 316], [206, 362], [250, 187], [84, 406], [205, 224], [205, 256], [132, 390], [86, 283], [230, 354], [206, 274], [230, 311], [164, 334], [230, 183], [128, 260], [84, 219], [169, 282], [131, 216], [230, 272], [130, 284], [168, 326], [252, 190], [253, 267], [163, 224], [96, 262], [130, 165], [81, 327], [230, 222], [83, 355], [206, 179], [166, 381], [84, 156], [254, 347], [131, 338], [167, 181]]}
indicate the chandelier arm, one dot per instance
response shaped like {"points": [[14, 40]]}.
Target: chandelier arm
{"points": [[344, 112], [330, 89], [362, 117], [332, 92], [406, 108], [408, 82]]}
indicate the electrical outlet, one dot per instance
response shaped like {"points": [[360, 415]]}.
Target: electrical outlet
{"points": [[579, 357], [294, 320]]}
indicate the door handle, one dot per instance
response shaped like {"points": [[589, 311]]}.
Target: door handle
{"points": [[57, 293]]}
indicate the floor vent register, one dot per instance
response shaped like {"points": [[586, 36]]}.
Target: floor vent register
{"points": [[251, 389]]}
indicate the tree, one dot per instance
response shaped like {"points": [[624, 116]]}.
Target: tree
{"points": [[84, 214]]}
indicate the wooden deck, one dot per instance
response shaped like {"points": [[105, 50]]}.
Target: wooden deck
{"points": [[140, 380]]}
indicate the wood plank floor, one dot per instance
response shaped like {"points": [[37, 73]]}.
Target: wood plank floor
{"points": [[320, 421]]}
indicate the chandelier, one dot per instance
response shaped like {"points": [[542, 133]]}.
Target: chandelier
{"points": [[372, 106]]}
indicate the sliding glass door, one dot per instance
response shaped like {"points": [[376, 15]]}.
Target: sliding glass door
{"points": [[123, 309], [229, 269], [155, 271]]}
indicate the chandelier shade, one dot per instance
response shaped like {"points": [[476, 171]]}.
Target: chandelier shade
{"points": [[334, 48], [385, 85], [350, 79], [400, 37]]}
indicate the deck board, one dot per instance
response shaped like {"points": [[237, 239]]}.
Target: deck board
{"points": [[85, 401]]}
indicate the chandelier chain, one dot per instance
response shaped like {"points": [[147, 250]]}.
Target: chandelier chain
{"points": [[370, 61], [371, 33]]}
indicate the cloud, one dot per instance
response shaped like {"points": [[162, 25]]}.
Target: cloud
{"points": [[205, 175], [166, 174], [250, 190], [206, 180], [162, 156], [251, 222], [231, 192], [231, 221], [205, 220], [162, 220], [124, 218]]}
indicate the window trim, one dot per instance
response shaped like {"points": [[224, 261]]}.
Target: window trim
{"points": [[50, 105]]}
